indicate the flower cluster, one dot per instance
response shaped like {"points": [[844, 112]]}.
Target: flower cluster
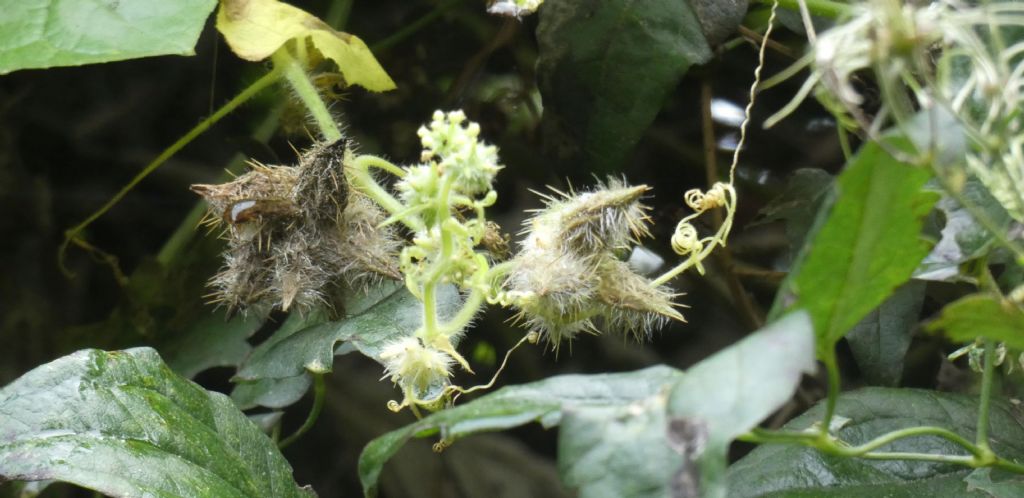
{"points": [[442, 201], [294, 232], [943, 55], [569, 273]]}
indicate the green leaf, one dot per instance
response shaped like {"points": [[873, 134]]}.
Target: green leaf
{"points": [[790, 470], [274, 392], [271, 393], [124, 424], [617, 451], [869, 244], [606, 67], [963, 238], [213, 341], [732, 391], [548, 401], [880, 341], [312, 349], [49, 33], [982, 315], [799, 203]]}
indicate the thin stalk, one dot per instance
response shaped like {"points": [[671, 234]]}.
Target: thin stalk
{"points": [[465, 314], [337, 14], [413, 27], [752, 316], [834, 385], [359, 176], [891, 437], [984, 403], [249, 92], [319, 388], [968, 461], [307, 93]]}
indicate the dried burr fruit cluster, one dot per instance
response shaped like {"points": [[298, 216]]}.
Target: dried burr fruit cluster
{"points": [[295, 233]]}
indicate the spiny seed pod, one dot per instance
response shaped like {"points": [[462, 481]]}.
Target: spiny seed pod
{"points": [[295, 232], [609, 217], [634, 306], [321, 184], [567, 276]]}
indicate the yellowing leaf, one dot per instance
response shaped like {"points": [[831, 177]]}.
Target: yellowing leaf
{"points": [[255, 29]]}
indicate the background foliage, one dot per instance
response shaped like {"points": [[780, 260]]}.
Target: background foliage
{"points": [[581, 88]]}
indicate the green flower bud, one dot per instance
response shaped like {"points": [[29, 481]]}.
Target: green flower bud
{"points": [[421, 372]]}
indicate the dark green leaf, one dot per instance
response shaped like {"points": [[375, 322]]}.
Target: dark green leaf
{"points": [[271, 393], [124, 424], [546, 401], [719, 18], [880, 341], [732, 391], [868, 246], [799, 204], [605, 67], [982, 315], [213, 341], [312, 349], [789, 470], [48, 33]]}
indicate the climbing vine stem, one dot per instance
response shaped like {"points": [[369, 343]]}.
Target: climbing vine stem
{"points": [[74, 233], [307, 93], [319, 390]]}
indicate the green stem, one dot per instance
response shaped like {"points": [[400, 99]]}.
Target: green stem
{"points": [[244, 96], [893, 436], [968, 461], [443, 262], [359, 176], [304, 89], [833, 446], [834, 385], [984, 403], [318, 404], [820, 8], [429, 311], [337, 15], [465, 314], [979, 457]]}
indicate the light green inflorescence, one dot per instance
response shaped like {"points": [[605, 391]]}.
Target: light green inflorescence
{"points": [[569, 275]]}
